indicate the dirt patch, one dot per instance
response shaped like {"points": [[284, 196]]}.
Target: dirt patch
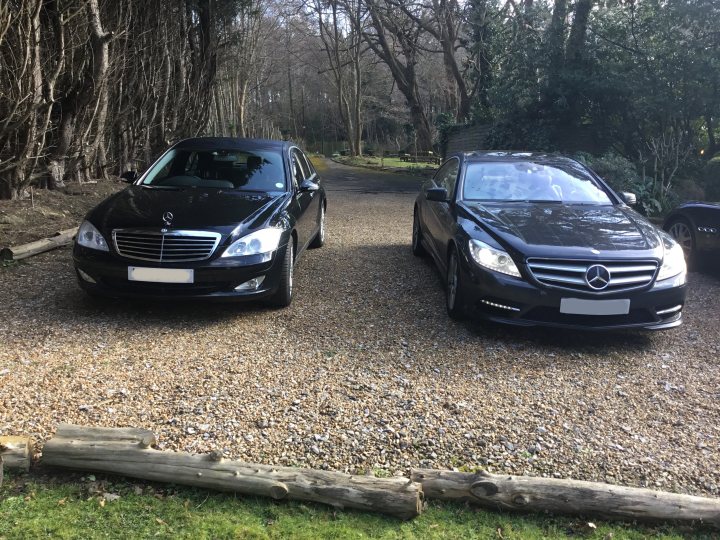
{"points": [[48, 212]]}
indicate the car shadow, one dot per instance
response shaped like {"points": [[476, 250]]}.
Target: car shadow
{"points": [[592, 341]]}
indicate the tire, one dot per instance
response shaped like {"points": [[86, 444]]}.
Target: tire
{"points": [[681, 230], [319, 240], [283, 296], [417, 247], [452, 288]]}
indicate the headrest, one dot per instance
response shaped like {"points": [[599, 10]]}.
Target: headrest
{"points": [[254, 162]]}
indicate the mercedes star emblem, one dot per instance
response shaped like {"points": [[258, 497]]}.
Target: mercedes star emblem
{"points": [[597, 277], [167, 218]]}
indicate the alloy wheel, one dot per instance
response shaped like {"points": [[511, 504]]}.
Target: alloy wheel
{"points": [[452, 281], [682, 234], [322, 224]]}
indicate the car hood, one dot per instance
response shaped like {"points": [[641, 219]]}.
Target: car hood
{"points": [[192, 208], [557, 230]]}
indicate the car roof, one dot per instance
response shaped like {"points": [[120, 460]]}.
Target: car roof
{"points": [[232, 143], [509, 156]]}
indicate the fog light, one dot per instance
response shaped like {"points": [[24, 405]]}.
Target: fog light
{"points": [[251, 285], [499, 306], [86, 277]]}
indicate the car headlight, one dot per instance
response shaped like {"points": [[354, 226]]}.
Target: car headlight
{"points": [[263, 242], [673, 261], [493, 259], [88, 236]]}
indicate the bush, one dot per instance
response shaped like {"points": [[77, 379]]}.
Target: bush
{"points": [[622, 175], [711, 179], [616, 170]]}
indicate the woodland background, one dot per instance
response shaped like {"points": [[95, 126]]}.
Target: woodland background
{"points": [[91, 88]]}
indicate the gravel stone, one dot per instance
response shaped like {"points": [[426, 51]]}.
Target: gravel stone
{"points": [[365, 371]]}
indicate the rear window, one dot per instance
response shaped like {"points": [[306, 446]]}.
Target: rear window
{"points": [[220, 169], [531, 182]]}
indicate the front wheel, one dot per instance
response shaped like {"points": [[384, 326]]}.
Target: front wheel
{"points": [[452, 288], [283, 296]]}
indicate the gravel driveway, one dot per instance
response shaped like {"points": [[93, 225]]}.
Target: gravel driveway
{"points": [[365, 370]]}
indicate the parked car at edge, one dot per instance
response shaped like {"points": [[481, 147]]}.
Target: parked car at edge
{"points": [[536, 239], [218, 218], [696, 227]]}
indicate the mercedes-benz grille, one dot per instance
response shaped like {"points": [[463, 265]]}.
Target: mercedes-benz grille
{"points": [[593, 276], [171, 246]]}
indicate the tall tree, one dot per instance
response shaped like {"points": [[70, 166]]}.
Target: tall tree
{"points": [[395, 38]]}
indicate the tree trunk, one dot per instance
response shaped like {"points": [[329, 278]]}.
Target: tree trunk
{"points": [[128, 452], [16, 452], [566, 496], [578, 32], [556, 47], [712, 144]]}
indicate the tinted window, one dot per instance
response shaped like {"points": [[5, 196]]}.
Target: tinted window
{"points": [[307, 164], [299, 169], [447, 176], [526, 181], [259, 170]]}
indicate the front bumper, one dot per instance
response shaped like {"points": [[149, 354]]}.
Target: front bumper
{"points": [[214, 279], [509, 300]]}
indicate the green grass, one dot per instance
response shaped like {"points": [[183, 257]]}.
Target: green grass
{"points": [[32, 507], [376, 162]]}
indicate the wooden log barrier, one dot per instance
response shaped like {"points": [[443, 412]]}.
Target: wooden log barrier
{"points": [[16, 253], [566, 496], [129, 452], [16, 452]]}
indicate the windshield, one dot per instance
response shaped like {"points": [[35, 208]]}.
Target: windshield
{"points": [[259, 170], [531, 182]]}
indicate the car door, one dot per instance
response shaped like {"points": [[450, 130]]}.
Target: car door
{"points": [[313, 211], [305, 219], [440, 219]]}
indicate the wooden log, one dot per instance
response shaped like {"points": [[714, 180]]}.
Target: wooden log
{"points": [[16, 253], [554, 495], [129, 452], [16, 452]]}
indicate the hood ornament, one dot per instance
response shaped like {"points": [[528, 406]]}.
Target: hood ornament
{"points": [[167, 218]]}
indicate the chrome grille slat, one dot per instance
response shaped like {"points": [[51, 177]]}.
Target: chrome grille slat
{"points": [[570, 274], [561, 279], [171, 246]]}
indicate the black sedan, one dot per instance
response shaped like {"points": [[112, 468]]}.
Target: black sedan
{"points": [[696, 227], [535, 239], [217, 218]]}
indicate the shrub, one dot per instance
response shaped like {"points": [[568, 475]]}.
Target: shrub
{"points": [[711, 179]]}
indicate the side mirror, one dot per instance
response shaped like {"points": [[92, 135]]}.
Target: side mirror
{"points": [[129, 176], [439, 194], [308, 185], [628, 198]]}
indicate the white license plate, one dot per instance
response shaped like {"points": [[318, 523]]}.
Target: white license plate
{"points": [[161, 275], [578, 306]]}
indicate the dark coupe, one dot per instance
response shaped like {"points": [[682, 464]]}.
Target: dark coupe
{"points": [[535, 239], [215, 218], [696, 227]]}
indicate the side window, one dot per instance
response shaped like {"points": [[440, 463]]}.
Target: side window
{"points": [[308, 165], [447, 176], [298, 173]]}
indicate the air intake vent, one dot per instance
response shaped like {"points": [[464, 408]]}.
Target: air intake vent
{"points": [[601, 277], [173, 246]]}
